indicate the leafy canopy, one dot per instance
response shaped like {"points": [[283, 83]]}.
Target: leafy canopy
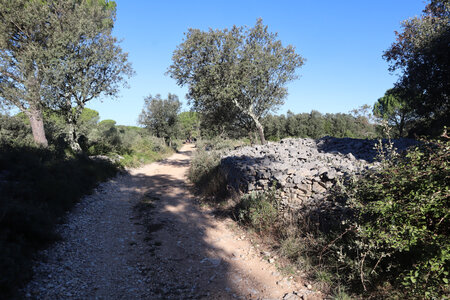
{"points": [[394, 108], [421, 54], [58, 54], [160, 115], [236, 73]]}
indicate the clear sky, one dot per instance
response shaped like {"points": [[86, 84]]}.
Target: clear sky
{"points": [[342, 42]]}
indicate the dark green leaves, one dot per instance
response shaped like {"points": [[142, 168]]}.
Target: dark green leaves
{"points": [[238, 73]]}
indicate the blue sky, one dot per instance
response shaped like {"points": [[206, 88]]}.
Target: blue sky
{"points": [[342, 42]]}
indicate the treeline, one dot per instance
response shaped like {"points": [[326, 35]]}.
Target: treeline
{"points": [[316, 125], [162, 118]]}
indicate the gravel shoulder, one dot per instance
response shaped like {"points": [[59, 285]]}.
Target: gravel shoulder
{"points": [[141, 236]]}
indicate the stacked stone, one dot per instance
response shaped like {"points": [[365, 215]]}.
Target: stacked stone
{"points": [[302, 170]]}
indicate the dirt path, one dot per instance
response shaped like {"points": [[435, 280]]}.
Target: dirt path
{"points": [[175, 250]]}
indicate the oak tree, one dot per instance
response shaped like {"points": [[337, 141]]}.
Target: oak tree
{"points": [[58, 54], [160, 116], [238, 73], [421, 54]]}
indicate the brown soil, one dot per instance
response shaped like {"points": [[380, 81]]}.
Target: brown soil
{"points": [[196, 254]]}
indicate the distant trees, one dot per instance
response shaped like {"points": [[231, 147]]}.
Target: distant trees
{"points": [[188, 125], [58, 54], [160, 115], [316, 125], [237, 75], [421, 53]]}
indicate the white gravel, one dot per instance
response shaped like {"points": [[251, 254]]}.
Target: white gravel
{"points": [[98, 255]]}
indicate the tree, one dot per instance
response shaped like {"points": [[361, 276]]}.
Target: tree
{"points": [[189, 124], [24, 51], [90, 62], [160, 115], [239, 73], [57, 54], [421, 53], [393, 108]]}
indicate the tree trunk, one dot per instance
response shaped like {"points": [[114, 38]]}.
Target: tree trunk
{"points": [[37, 126], [260, 129], [73, 140]]}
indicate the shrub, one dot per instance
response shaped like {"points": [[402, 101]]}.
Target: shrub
{"points": [[259, 210], [205, 174], [145, 150], [13, 131], [399, 235], [204, 171]]}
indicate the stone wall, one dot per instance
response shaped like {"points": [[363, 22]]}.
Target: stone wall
{"points": [[303, 170]]}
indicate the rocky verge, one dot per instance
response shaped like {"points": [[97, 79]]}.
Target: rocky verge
{"points": [[302, 170]]}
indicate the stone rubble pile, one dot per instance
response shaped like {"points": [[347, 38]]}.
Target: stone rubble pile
{"points": [[302, 169]]}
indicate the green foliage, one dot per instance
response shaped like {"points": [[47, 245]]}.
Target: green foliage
{"points": [[204, 170], [160, 116], [13, 131], [188, 125], [235, 75], [393, 107], [60, 55], [402, 221], [421, 54], [145, 150], [219, 144], [316, 125], [259, 210], [36, 187], [204, 167]]}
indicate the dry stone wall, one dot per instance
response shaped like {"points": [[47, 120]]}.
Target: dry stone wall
{"points": [[302, 170]]}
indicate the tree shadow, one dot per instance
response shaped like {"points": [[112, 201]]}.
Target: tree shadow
{"points": [[182, 261]]}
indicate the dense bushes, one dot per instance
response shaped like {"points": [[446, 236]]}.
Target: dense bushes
{"points": [[259, 210], [400, 231], [36, 187], [390, 231]]}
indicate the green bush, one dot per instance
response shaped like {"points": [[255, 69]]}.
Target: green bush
{"points": [[145, 150], [259, 210], [204, 173], [404, 219], [13, 131], [398, 237]]}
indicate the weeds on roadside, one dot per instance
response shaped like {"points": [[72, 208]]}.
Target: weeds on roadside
{"points": [[259, 210], [204, 171]]}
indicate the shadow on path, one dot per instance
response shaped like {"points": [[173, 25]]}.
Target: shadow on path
{"points": [[182, 261]]}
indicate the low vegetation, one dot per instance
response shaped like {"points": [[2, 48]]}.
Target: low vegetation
{"points": [[204, 170], [393, 242]]}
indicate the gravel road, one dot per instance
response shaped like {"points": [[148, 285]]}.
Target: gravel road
{"points": [[112, 247]]}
